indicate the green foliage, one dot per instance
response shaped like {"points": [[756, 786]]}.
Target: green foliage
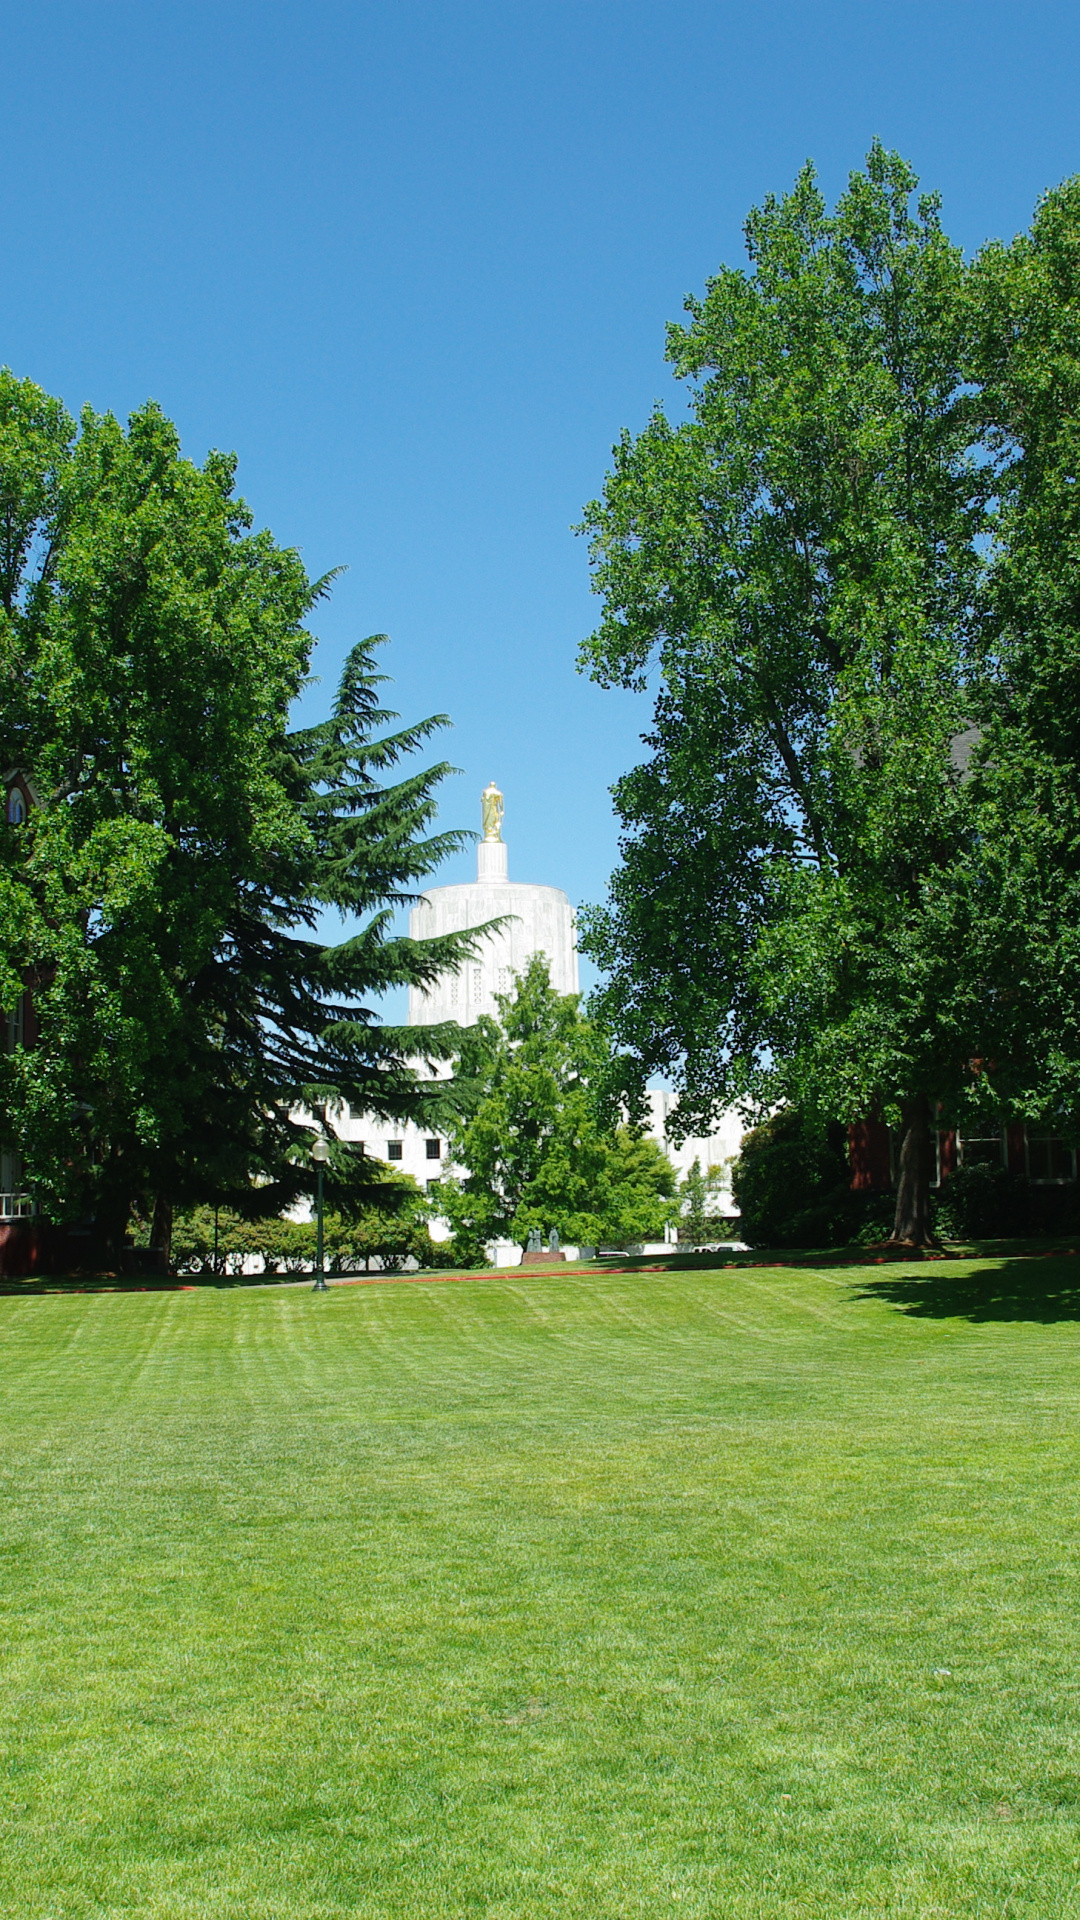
{"points": [[981, 1202], [800, 559], [167, 896], [467, 1249], [532, 1140], [792, 1185], [1023, 302], [989, 1203], [205, 1244]]}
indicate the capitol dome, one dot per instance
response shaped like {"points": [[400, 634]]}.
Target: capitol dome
{"points": [[538, 920]]}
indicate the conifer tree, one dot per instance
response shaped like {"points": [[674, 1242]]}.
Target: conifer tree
{"points": [[167, 898]]}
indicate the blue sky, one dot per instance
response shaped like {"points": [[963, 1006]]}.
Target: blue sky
{"points": [[413, 262]]}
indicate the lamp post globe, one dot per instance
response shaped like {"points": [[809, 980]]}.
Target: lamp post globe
{"points": [[320, 1154]]}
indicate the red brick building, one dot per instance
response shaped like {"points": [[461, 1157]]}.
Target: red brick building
{"points": [[1042, 1158]]}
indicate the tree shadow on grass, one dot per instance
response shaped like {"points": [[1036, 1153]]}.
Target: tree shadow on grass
{"points": [[37, 1286], [41, 1286], [1043, 1290]]}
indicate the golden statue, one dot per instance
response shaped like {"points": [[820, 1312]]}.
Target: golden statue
{"points": [[491, 809]]}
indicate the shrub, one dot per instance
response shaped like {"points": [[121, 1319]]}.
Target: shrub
{"points": [[464, 1249], [792, 1185], [279, 1245], [987, 1203], [392, 1239]]}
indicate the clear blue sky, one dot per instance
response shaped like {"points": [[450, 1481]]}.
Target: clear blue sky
{"points": [[413, 262]]}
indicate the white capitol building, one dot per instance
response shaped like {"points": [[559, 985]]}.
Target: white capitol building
{"points": [[535, 919], [538, 920]]}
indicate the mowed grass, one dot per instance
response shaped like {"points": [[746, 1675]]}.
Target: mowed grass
{"points": [[737, 1593]]}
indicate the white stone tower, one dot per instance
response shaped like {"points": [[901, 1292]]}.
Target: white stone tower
{"points": [[543, 922]]}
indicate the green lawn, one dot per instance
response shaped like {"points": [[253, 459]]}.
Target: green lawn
{"points": [[743, 1593]]}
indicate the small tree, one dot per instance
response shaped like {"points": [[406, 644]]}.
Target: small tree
{"points": [[695, 1192], [533, 1146]]}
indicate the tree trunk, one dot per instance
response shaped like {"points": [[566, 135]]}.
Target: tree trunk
{"points": [[911, 1227], [161, 1226], [108, 1238]]}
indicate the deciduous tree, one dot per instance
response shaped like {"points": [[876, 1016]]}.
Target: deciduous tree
{"points": [[533, 1147], [799, 558], [1023, 300]]}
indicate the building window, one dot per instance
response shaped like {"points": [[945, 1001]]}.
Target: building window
{"points": [[15, 1203], [1050, 1160], [982, 1149], [432, 1186], [16, 808], [477, 982], [454, 991], [433, 1149], [393, 1149]]}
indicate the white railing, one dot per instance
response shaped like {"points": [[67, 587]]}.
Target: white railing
{"points": [[16, 1206]]}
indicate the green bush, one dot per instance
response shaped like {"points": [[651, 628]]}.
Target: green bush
{"points": [[465, 1249], [278, 1245], [391, 1239], [981, 1202], [792, 1185], [281, 1245], [987, 1203]]}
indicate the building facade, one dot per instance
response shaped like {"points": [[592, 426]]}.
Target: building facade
{"points": [[531, 919], [1034, 1154]]}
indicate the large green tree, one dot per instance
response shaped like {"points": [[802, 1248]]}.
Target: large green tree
{"points": [[1023, 303], [167, 897], [533, 1147], [796, 914]]}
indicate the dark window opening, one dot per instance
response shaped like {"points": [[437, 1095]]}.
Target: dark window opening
{"points": [[393, 1149], [433, 1149], [982, 1150], [1049, 1158]]}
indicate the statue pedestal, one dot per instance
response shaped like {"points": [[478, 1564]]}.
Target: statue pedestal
{"points": [[541, 1259], [491, 860]]}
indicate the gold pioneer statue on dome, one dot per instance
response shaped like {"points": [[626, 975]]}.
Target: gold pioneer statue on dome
{"points": [[491, 805]]}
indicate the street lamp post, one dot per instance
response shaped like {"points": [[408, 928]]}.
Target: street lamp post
{"points": [[320, 1153]]}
